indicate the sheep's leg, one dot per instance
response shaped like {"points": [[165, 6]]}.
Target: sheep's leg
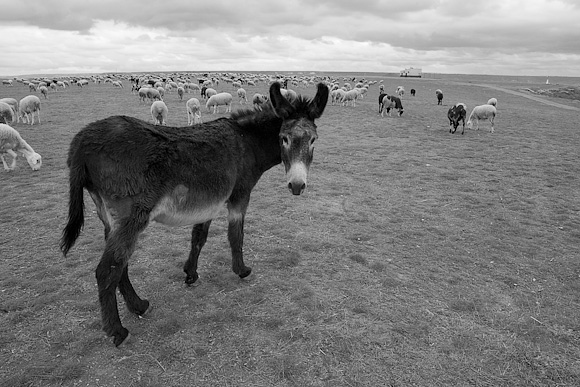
{"points": [[491, 120], [198, 239], [6, 166]]}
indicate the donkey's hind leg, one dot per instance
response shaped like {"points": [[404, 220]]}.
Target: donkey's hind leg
{"points": [[198, 239], [110, 271], [134, 303], [236, 217]]}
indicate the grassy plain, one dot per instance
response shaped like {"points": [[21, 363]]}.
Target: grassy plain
{"points": [[415, 257]]}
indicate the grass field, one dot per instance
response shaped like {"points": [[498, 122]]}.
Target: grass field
{"points": [[416, 257]]}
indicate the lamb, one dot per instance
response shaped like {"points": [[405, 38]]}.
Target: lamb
{"points": [[482, 112], [6, 113], [492, 102], [193, 111], [159, 112], [242, 96], [27, 107], [209, 92], [455, 114], [218, 100], [439, 95], [258, 100], [10, 143]]}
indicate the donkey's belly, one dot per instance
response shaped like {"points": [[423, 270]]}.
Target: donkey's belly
{"points": [[178, 209]]}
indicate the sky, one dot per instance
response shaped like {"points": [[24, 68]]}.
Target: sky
{"points": [[496, 37]]}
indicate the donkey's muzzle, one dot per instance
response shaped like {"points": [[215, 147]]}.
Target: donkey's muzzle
{"points": [[296, 187]]}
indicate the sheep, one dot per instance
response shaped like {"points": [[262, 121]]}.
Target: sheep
{"points": [[193, 111], [10, 143], [209, 92], [400, 91], [142, 93], [289, 94], [159, 112], [218, 100], [242, 96], [413, 92], [44, 91], [6, 113], [439, 95], [180, 92], [492, 102], [27, 106], [7, 82], [455, 114], [392, 102], [32, 86], [14, 105], [117, 84], [351, 95], [385, 103], [153, 94], [482, 112], [258, 100], [337, 95]]}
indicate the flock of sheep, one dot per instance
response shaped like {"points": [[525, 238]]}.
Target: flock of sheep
{"points": [[154, 88]]}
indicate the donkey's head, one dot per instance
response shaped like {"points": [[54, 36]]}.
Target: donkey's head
{"points": [[298, 133]]}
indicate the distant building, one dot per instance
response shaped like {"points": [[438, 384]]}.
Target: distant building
{"points": [[412, 72]]}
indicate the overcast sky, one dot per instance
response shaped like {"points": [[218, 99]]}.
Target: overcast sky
{"points": [[509, 37]]}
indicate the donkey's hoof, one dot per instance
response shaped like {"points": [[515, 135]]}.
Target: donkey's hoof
{"points": [[191, 280], [246, 272], [147, 310], [121, 338]]}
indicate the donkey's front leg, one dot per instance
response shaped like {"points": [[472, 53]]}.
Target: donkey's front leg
{"points": [[236, 239], [198, 239]]}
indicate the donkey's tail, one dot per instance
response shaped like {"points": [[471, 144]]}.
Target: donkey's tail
{"points": [[76, 208]]}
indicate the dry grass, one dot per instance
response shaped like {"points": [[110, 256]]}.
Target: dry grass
{"points": [[415, 257]]}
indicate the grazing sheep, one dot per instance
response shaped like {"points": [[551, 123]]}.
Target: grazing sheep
{"points": [[10, 143], [32, 87], [6, 113], [153, 94], [210, 92], [391, 102], [492, 102], [217, 100], [242, 96], [14, 105], [439, 95], [159, 112], [7, 82], [385, 104], [413, 92], [44, 91], [193, 111], [180, 92], [482, 112], [400, 91], [258, 100], [118, 84], [142, 93], [455, 114], [27, 107], [351, 95]]}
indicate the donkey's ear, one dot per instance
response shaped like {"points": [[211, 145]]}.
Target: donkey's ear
{"points": [[282, 107], [319, 102]]}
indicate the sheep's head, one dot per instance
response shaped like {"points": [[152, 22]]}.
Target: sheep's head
{"points": [[34, 160]]}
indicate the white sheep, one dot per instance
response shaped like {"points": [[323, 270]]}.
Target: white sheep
{"points": [[14, 105], [10, 143], [44, 91], [27, 107], [153, 94], [492, 101], [193, 111], [210, 92], [258, 100], [6, 113], [180, 92], [289, 94], [337, 95], [159, 112], [400, 91], [351, 95], [118, 84], [482, 112], [218, 100], [242, 96]]}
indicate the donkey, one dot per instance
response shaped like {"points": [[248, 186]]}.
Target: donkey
{"points": [[136, 172]]}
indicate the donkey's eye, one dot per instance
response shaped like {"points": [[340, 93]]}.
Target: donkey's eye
{"points": [[285, 140], [312, 140]]}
